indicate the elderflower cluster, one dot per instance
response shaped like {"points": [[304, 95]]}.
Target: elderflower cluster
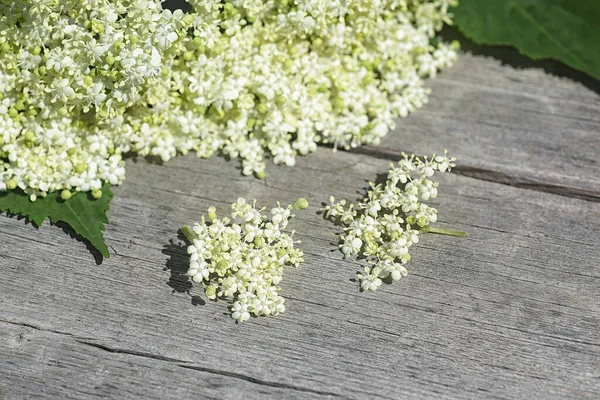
{"points": [[244, 261], [387, 222], [272, 79], [84, 82], [69, 72]]}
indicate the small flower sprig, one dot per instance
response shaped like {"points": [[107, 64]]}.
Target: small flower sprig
{"points": [[243, 257], [388, 221]]}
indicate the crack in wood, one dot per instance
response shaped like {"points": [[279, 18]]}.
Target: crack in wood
{"points": [[184, 364], [260, 381], [495, 176], [526, 183], [130, 352], [37, 328]]}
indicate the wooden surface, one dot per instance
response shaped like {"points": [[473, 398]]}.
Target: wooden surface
{"points": [[513, 311]]}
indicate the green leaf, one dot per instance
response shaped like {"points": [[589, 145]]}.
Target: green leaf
{"points": [[82, 212], [566, 30]]}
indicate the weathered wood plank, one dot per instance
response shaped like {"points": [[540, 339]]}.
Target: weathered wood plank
{"points": [[55, 365], [520, 127], [513, 311]]}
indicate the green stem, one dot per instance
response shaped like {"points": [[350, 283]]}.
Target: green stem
{"points": [[441, 231], [187, 232]]}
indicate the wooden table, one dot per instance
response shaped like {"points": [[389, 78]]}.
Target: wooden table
{"points": [[513, 311]]}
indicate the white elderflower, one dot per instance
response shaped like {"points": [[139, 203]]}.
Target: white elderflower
{"points": [[243, 257], [387, 222], [249, 79]]}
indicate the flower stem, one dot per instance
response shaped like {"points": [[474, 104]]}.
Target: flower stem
{"points": [[187, 232], [441, 231]]}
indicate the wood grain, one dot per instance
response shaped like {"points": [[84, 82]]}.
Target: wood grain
{"points": [[511, 312], [57, 365], [520, 127]]}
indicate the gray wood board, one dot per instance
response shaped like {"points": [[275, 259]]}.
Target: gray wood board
{"points": [[55, 365], [521, 127], [513, 311]]}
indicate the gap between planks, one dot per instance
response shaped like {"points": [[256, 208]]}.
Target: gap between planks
{"points": [[488, 175]]}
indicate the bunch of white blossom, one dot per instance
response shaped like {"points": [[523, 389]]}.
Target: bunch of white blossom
{"points": [[273, 78], [244, 260], [389, 219], [69, 72], [83, 82]]}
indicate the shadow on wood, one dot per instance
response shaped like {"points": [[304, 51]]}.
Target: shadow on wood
{"points": [[98, 258], [512, 57], [177, 265]]}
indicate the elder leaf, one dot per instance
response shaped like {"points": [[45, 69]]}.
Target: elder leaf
{"points": [[565, 30], [82, 212]]}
